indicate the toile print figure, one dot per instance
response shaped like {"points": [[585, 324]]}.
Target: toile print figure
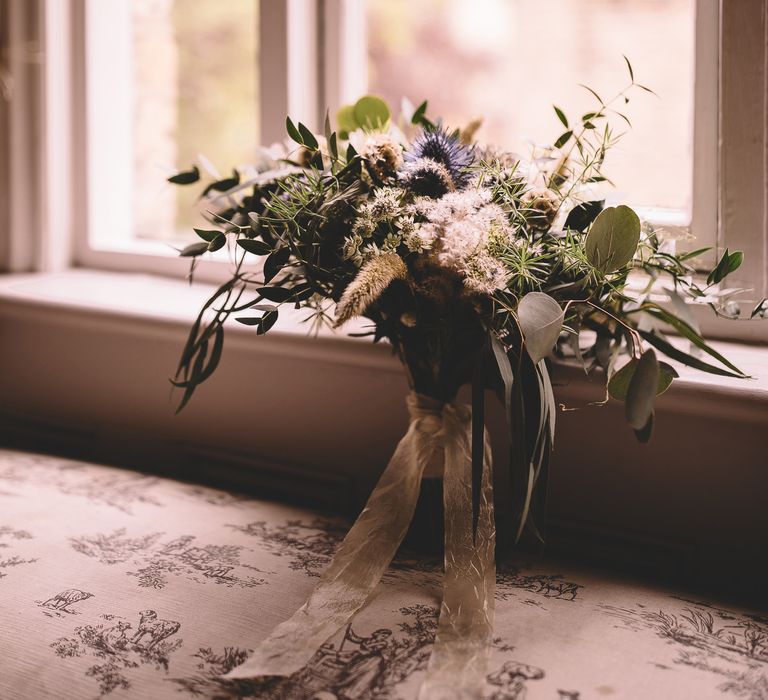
{"points": [[359, 671], [158, 560], [7, 562], [547, 585], [115, 649], [61, 602], [308, 545], [511, 680], [730, 645], [152, 631]]}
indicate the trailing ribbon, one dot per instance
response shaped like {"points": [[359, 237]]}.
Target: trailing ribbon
{"points": [[458, 663]]}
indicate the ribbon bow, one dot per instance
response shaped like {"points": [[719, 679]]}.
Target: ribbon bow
{"points": [[457, 666]]}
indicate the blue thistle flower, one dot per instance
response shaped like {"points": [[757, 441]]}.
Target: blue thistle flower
{"points": [[436, 162]]}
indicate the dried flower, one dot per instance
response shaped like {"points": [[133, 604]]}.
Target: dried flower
{"points": [[369, 284], [541, 209], [427, 177], [383, 154]]}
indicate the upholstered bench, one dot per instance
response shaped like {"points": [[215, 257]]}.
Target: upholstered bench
{"points": [[123, 585]]}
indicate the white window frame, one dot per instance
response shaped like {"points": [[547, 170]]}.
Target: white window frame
{"points": [[324, 64]]}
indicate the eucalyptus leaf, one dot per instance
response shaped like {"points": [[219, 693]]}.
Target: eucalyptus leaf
{"points": [[371, 112], [206, 235], [345, 119], [274, 263], [185, 177], [618, 386], [613, 238], [275, 294], [217, 243], [194, 249], [641, 391], [251, 245], [541, 320], [267, 321], [582, 215]]}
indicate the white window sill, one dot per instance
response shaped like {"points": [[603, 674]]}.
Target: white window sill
{"points": [[116, 296], [145, 298]]}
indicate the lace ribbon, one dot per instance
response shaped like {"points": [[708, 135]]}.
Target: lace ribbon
{"points": [[457, 665]]}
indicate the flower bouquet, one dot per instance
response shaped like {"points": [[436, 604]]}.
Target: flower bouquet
{"points": [[475, 264]]}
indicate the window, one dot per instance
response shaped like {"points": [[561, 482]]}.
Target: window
{"points": [[137, 88], [167, 81], [506, 61]]}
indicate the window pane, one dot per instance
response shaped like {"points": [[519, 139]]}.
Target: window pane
{"points": [[508, 60], [182, 81]]}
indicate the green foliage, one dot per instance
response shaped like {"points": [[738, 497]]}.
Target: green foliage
{"points": [[729, 262], [613, 238], [369, 112]]}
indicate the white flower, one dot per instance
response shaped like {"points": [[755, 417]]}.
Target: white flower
{"points": [[466, 229], [390, 243]]}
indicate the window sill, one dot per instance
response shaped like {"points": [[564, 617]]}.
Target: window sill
{"points": [[139, 298]]}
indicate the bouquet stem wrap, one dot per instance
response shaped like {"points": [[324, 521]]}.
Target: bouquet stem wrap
{"points": [[457, 666]]}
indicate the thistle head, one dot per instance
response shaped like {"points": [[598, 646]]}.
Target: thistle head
{"points": [[436, 163]]}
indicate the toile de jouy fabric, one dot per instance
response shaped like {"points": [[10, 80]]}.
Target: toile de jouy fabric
{"points": [[115, 584]]}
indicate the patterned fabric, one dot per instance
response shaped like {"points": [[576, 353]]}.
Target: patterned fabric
{"points": [[121, 585]]}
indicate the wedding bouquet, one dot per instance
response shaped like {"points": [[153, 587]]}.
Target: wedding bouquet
{"points": [[475, 264]]}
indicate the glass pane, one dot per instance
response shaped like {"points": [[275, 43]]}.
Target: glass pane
{"points": [[195, 91], [509, 60]]}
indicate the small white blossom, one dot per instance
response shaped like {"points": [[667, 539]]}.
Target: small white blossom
{"points": [[390, 244]]}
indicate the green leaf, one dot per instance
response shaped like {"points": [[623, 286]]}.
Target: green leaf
{"points": [[274, 263], [267, 321], [582, 215], [345, 119], [308, 137], [541, 320], [629, 68], [293, 132], [371, 112], [687, 331], [206, 234], [671, 351], [251, 245], [694, 253], [249, 320], [644, 434], [194, 249], [223, 185], [275, 294], [613, 238], [418, 115], [185, 177], [333, 146], [589, 89], [327, 126], [641, 391], [561, 116], [563, 139], [728, 264], [619, 382], [218, 242]]}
